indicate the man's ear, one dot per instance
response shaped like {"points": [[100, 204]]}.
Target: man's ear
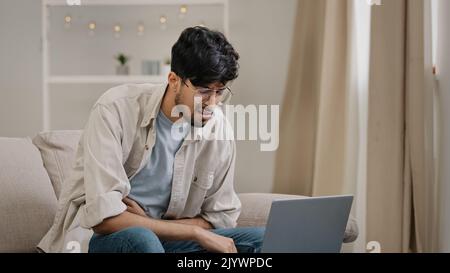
{"points": [[173, 81]]}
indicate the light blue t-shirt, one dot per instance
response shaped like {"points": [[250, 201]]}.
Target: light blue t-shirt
{"points": [[152, 186]]}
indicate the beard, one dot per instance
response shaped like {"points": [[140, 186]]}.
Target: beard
{"points": [[195, 118], [198, 122]]}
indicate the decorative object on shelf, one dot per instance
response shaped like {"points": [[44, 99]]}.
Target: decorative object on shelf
{"points": [[151, 67], [165, 67], [122, 68]]}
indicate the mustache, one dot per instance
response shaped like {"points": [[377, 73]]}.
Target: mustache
{"points": [[206, 108]]}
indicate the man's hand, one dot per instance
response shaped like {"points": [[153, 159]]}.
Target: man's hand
{"points": [[213, 242], [133, 207]]}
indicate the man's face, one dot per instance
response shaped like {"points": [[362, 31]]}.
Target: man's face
{"points": [[200, 105]]}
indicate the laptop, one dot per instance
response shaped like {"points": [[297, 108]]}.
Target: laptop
{"points": [[310, 225]]}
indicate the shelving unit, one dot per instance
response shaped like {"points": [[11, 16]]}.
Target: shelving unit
{"points": [[104, 79], [49, 80]]}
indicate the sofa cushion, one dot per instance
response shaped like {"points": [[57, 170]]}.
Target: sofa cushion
{"points": [[256, 208], [58, 150], [27, 200]]}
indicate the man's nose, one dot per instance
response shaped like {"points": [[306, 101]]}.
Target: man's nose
{"points": [[211, 101]]}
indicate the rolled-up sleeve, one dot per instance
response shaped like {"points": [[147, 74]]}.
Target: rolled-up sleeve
{"points": [[105, 180], [222, 206]]}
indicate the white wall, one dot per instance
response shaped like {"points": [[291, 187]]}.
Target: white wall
{"points": [[74, 52], [261, 31], [20, 67], [443, 65]]}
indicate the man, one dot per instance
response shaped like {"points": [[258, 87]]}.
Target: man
{"points": [[136, 186]]}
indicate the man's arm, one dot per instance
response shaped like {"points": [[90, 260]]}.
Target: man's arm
{"points": [[197, 221], [163, 229], [168, 230], [133, 207]]}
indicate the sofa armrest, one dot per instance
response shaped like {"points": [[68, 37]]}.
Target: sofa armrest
{"points": [[256, 208]]}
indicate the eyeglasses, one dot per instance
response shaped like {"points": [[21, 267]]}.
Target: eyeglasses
{"points": [[222, 95]]}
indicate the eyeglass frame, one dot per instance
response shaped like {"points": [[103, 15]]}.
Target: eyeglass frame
{"points": [[203, 91]]}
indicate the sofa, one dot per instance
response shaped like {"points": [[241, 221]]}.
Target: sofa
{"points": [[32, 172]]}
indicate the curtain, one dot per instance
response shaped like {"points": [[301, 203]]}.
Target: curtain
{"points": [[314, 111], [321, 139], [443, 112]]}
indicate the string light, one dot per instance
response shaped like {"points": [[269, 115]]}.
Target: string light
{"points": [[163, 21], [140, 29], [92, 26], [183, 9], [67, 21], [117, 29]]}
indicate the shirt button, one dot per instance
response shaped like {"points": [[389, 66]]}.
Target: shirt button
{"points": [[146, 147], [195, 179]]}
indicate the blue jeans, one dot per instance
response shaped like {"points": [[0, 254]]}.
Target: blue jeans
{"points": [[142, 240]]}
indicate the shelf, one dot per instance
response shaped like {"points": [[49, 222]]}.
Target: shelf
{"points": [[49, 81], [135, 2], [105, 79]]}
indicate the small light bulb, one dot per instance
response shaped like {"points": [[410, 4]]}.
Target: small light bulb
{"points": [[140, 29], [92, 25], [183, 9], [163, 19], [117, 28], [68, 19]]}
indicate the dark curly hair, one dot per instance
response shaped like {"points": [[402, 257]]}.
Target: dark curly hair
{"points": [[204, 57]]}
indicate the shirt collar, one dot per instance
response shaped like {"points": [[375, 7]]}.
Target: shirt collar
{"points": [[153, 105]]}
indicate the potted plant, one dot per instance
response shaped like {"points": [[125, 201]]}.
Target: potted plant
{"points": [[122, 68]]}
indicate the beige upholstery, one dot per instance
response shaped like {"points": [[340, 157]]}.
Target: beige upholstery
{"points": [[28, 191], [27, 199], [256, 207], [58, 150]]}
